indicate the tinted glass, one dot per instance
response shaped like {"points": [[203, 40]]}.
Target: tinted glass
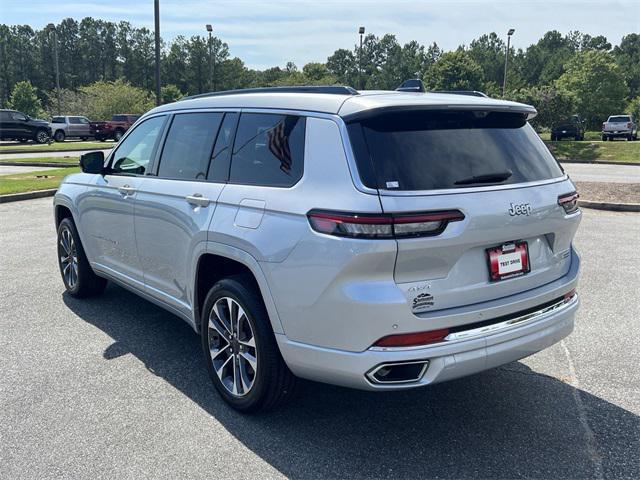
{"points": [[5, 116], [19, 116], [57, 120], [74, 120], [427, 150], [219, 168], [134, 153], [620, 119], [268, 150], [119, 118], [188, 147]]}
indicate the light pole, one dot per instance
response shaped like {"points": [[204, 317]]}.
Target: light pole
{"points": [[52, 28], [211, 59], [156, 15], [361, 32], [506, 59]]}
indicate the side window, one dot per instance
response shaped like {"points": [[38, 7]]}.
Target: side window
{"points": [[118, 118], [83, 120], [21, 117], [187, 150], [268, 150], [57, 120], [221, 158], [75, 120], [134, 153]]}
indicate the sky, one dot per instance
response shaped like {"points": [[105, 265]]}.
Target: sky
{"points": [[265, 34]]}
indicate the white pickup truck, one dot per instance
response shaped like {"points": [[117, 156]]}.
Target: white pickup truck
{"points": [[620, 126], [70, 126]]}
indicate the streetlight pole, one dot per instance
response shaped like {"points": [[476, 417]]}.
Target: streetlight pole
{"points": [[361, 32], [211, 60], [52, 27], [506, 59], [156, 15]]}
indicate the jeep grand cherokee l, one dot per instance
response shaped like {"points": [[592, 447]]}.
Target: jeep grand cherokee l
{"points": [[374, 240]]}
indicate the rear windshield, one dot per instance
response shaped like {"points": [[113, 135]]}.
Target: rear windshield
{"points": [[619, 119], [430, 150]]}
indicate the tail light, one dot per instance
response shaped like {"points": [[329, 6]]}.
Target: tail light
{"points": [[413, 339], [569, 202], [382, 226], [603, 126], [568, 296], [629, 125]]}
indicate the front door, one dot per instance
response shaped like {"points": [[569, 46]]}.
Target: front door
{"points": [[107, 208], [174, 208]]}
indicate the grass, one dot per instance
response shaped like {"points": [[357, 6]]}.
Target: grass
{"points": [[546, 136], [28, 182], [69, 159], [59, 147], [616, 151]]}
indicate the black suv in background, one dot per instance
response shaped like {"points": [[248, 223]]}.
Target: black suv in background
{"points": [[573, 127], [16, 125]]}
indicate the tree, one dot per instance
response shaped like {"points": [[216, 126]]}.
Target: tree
{"points": [[454, 71], [343, 64], [594, 81], [24, 98], [627, 55], [553, 106], [109, 98], [170, 93]]}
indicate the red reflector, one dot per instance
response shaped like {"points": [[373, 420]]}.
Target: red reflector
{"points": [[570, 295], [413, 339]]}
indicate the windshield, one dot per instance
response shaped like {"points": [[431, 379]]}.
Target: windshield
{"points": [[429, 150], [619, 119]]}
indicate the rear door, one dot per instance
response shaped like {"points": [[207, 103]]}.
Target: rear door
{"points": [[175, 205], [495, 170]]}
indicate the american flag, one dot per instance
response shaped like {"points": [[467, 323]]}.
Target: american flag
{"points": [[278, 142]]}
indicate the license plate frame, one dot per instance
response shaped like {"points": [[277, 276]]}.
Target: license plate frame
{"points": [[514, 253]]}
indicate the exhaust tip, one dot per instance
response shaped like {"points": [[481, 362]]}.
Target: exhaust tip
{"points": [[398, 372]]}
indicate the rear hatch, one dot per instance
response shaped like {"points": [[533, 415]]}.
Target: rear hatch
{"points": [[494, 169]]}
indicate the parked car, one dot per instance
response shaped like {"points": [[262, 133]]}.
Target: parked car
{"points": [[16, 125], [113, 128], [69, 127], [379, 241], [573, 127], [620, 126]]}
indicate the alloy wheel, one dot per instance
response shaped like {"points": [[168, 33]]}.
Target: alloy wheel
{"points": [[68, 258], [42, 137], [232, 346]]}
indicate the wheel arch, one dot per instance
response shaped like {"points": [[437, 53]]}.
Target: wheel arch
{"points": [[221, 261]]}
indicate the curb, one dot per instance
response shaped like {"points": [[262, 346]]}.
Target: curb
{"points": [[86, 149], [599, 162], [612, 207], [16, 197], [37, 164]]}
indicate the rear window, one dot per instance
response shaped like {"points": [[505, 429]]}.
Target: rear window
{"points": [[619, 119], [431, 150]]}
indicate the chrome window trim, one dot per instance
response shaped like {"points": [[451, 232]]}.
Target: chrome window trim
{"points": [[473, 333]]}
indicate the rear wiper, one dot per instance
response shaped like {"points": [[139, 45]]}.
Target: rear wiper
{"points": [[486, 178]]}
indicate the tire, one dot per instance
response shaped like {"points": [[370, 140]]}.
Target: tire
{"points": [[77, 275], [117, 135], [59, 136], [270, 383], [554, 138], [41, 136], [100, 138], [577, 138], [629, 138], [604, 138], [83, 139]]}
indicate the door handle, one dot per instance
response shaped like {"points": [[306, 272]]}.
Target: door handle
{"points": [[198, 199], [126, 190]]}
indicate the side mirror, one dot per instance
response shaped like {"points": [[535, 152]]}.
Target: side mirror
{"points": [[92, 162]]}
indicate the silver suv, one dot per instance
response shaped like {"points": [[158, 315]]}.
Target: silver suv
{"points": [[376, 240]]}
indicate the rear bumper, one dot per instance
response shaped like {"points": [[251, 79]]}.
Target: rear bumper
{"points": [[448, 360], [618, 133], [445, 361]]}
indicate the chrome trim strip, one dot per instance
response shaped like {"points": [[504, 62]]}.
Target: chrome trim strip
{"points": [[489, 329], [375, 381]]}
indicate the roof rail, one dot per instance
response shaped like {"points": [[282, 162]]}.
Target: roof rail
{"points": [[471, 93], [412, 85], [329, 89]]}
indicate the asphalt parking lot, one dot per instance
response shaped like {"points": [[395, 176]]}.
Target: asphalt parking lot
{"points": [[114, 387]]}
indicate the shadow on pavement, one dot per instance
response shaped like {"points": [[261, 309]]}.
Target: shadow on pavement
{"points": [[506, 423]]}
